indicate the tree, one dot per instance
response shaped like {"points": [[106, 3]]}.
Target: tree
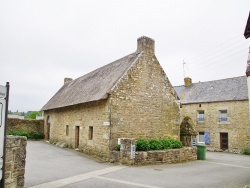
{"points": [[33, 114]]}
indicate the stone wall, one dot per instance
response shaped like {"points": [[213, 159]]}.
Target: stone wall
{"points": [[151, 157], [15, 161], [158, 157], [237, 126], [143, 104], [25, 125], [82, 116]]}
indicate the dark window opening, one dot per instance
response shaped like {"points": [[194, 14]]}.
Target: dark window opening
{"points": [[67, 130], [90, 133]]}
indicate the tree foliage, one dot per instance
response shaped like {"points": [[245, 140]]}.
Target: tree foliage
{"points": [[33, 114]]}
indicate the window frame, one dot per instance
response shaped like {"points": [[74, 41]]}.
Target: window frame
{"points": [[223, 116], [200, 134], [200, 119]]}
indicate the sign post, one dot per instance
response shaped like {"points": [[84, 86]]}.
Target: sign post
{"points": [[4, 100], [132, 154]]}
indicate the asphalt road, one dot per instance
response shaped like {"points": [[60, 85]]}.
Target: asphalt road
{"points": [[49, 166]]}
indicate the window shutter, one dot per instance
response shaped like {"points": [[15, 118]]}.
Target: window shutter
{"points": [[207, 138]]}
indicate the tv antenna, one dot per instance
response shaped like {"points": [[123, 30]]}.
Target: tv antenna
{"points": [[184, 64]]}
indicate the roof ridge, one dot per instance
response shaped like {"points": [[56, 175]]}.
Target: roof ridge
{"points": [[211, 80], [89, 73], [219, 79]]}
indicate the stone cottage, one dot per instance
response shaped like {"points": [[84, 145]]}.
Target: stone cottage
{"points": [[219, 111], [130, 97]]}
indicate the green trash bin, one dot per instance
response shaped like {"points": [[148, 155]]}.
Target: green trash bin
{"points": [[201, 152]]}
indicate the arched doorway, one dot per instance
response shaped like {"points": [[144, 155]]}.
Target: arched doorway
{"points": [[47, 134], [187, 132]]}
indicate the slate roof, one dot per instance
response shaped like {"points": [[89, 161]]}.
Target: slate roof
{"points": [[230, 89], [93, 86]]}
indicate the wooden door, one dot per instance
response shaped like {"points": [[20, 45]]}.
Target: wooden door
{"points": [[224, 141], [48, 131], [77, 135]]}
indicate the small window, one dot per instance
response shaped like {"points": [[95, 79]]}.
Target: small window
{"points": [[201, 137], [200, 117], [67, 130], [90, 133], [223, 116]]}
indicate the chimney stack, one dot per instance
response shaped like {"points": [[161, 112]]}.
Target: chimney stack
{"points": [[66, 80], [146, 44], [187, 81]]}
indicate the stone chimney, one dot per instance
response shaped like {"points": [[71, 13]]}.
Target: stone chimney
{"points": [[187, 81], [146, 44], [248, 64], [66, 80]]}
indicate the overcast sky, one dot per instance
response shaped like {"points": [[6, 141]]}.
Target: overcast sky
{"points": [[43, 41]]}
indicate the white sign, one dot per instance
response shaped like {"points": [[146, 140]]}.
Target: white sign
{"points": [[132, 156], [2, 127], [106, 123], [3, 91], [2, 123], [3, 94]]}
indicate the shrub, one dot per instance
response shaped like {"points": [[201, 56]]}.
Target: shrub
{"points": [[35, 135], [118, 147], [166, 144], [175, 144], [142, 145], [155, 144], [30, 135], [245, 150]]}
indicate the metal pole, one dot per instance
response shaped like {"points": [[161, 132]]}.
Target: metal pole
{"points": [[5, 128]]}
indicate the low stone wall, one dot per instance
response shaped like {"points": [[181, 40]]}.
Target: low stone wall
{"points": [[25, 125], [15, 161], [152, 157], [157, 157]]}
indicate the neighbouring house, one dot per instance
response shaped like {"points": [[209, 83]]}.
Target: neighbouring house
{"points": [[15, 116], [219, 112], [128, 98], [247, 35], [247, 28]]}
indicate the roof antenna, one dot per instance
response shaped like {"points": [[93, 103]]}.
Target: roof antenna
{"points": [[183, 63]]}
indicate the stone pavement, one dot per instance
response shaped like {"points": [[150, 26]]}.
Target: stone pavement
{"points": [[50, 166]]}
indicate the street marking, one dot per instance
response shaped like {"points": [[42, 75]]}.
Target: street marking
{"points": [[127, 182], [227, 164], [74, 179]]}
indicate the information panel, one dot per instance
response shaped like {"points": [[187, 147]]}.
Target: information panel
{"points": [[132, 155], [3, 92]]}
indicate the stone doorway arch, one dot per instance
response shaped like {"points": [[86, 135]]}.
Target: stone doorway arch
{"points": [[47, 128], [187, 131]]}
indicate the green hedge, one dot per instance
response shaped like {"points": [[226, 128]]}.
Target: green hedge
{"points": [[246, 150], [154, 144], [33, 135]]}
